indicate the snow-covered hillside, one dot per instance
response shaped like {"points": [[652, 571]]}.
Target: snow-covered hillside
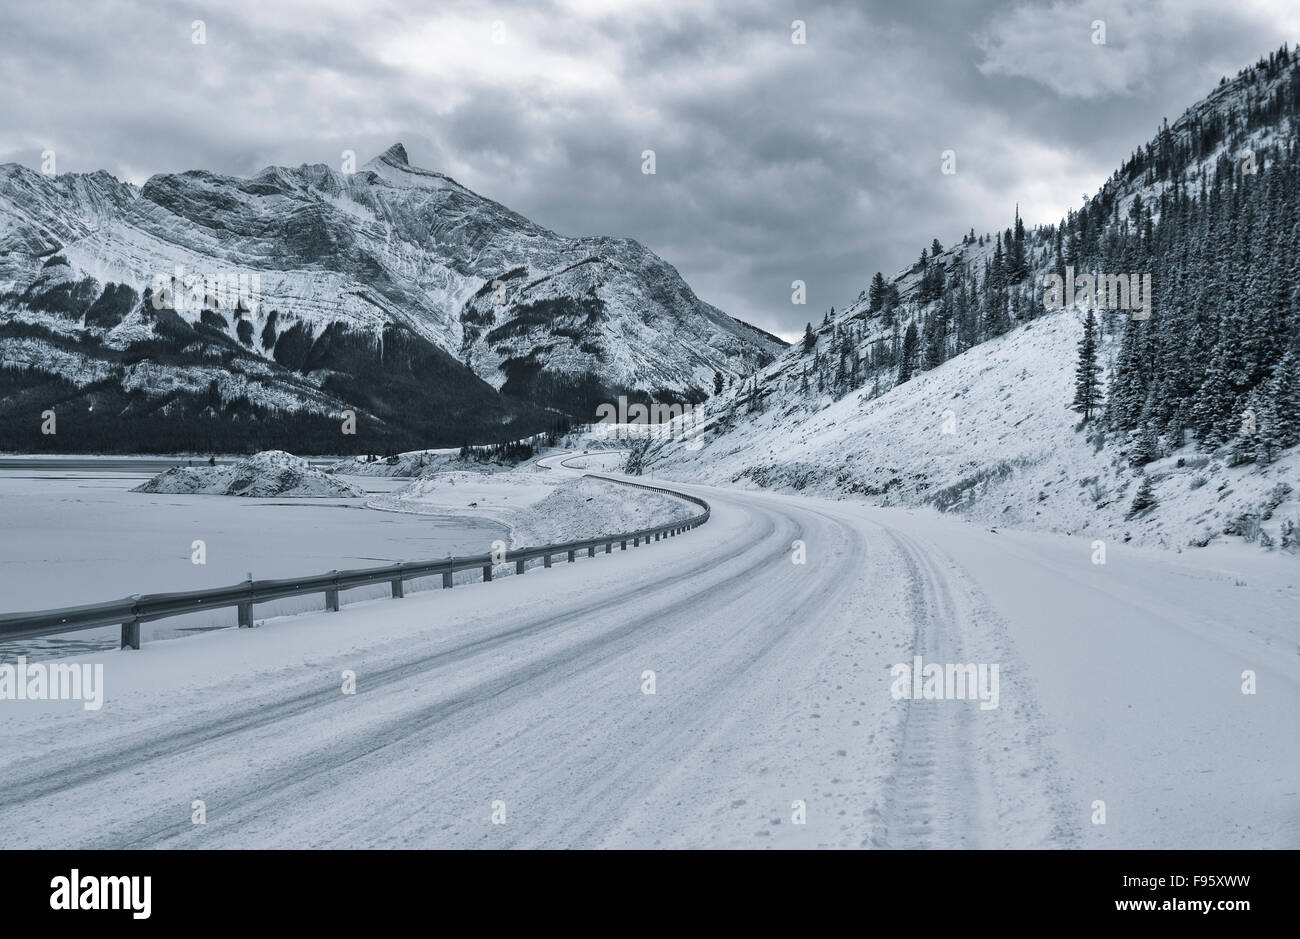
{"points": [[989, 434], [952, 384]]}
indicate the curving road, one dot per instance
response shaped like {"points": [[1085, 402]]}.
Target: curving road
{"points": [[516, 715]]}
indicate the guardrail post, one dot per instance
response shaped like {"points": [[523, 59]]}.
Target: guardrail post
{"points": [[332, 597], [546, 561], [245, 609], [131, 635], [591, 551], [487, 573], [609, 547], [447, 574], [521, 565], [397, 588], [623, 547]]}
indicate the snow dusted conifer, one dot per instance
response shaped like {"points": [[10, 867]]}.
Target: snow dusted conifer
{"points": [[908, 356], [1087, 374], [1278, 410], [1145, 498], [877, 292], [1146, 448]]}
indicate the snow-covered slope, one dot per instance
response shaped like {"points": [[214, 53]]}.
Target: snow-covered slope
{"points": [[983, 425], [989, 434]]}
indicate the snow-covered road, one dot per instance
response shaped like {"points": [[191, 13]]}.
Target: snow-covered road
{"points": [[515, 713]]}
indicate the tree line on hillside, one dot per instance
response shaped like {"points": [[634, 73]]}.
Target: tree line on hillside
{"points": [[1218, 359]]}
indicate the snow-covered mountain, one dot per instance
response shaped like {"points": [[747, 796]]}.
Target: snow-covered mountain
{"points": [[952, 385], [282, 299]]}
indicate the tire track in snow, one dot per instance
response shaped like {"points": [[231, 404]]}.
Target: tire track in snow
{"points": [[308, 779], [966, 777], [45, 777]]}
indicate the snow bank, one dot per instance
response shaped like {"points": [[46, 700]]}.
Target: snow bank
{"points": [[589, 508], [493, 496], [539, 508], [269, 473]]}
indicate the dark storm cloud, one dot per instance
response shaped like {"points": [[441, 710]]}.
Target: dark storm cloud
{"points": [[775, 161]]}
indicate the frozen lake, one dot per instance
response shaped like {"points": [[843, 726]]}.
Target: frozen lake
{"points": [[72, 536]]}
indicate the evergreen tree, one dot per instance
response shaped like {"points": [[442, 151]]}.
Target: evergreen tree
{"points": [[1278, 410], [1145, 498], [1019, 262], [936, 338], [910, 342], [809, 338], [877, 292], [1146, 448], [1087, 374]]}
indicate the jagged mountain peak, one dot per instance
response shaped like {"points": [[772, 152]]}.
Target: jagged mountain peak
{"points": [[394, 167], [394, 154]]}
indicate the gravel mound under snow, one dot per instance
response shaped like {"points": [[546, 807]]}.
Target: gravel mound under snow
{"points": [[269, 473]]}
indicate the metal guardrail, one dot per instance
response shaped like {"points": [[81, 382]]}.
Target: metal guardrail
{"points": [[132, 611]]}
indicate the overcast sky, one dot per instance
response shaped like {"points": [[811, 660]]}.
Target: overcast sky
{"points": [[775, 161]]}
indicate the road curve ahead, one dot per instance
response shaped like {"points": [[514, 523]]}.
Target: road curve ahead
{"points": [[727, 688]]}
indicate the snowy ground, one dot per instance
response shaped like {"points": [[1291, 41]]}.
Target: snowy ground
{"points": [[498, 497], [73, 537], [541, 507], [83, 536], [600, 461], [1119, 682]]}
